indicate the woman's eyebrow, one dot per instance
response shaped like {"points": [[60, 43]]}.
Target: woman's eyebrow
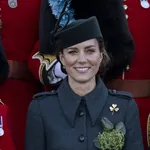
{"points": [[89, 46], [72, 48], [75, 48]]}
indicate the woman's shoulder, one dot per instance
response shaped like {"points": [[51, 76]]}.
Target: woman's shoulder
{"points": [[120, 94], [121, 97], [45, 98], [43, 95], [122, 102]]}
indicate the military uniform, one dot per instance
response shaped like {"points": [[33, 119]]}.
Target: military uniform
{"points": [[137, 78], [63, 120]]}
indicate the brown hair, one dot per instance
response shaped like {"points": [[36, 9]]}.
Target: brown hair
{"points": [[105, 61]]}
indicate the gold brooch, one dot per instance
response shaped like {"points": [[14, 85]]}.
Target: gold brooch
{"points": [[114, 108]]}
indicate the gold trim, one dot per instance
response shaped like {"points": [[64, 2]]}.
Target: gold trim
{"points": [[46, 61], [148, 130], [127, 16], [125, 7], [40, 73], [1, 102], [1, 24]]}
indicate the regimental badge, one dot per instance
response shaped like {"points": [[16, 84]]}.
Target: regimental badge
{"points": [[1, 126], [12, 3], [148, 130], [46, 61]]}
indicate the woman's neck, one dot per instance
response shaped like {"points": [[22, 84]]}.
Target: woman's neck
{"points": [[82, 89]]}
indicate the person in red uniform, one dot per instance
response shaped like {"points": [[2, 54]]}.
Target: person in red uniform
{"points": [[6, 142], [137, 79], [19, 20]]}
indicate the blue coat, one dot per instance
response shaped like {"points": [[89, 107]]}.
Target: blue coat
{"points": [[62, 120]]}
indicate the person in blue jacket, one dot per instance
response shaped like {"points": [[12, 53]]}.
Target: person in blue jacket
{"points": [[82, 114]]}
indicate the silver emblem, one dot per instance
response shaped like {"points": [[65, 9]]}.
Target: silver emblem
{"points": [[12, 3], [145, 4], [1, 132], [1, 126]]}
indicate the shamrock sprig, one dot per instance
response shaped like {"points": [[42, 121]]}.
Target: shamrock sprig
{"points": [[112, 137]]}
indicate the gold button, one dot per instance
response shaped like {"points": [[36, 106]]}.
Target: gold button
{"points": [[127, 16], [125, 7], [127, 68], [0, 23]]}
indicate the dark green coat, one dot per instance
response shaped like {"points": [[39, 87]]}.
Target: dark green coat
{"points": [[64, 121]]}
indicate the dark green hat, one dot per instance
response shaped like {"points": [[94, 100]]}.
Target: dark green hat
{"points": [[77, 32]]}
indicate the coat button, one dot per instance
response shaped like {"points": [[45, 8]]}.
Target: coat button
{"points": [[81, 113], [81, 138], [126, 16], [114, 91]]}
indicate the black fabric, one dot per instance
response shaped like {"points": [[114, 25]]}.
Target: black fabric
{"points": [[4, 67], [47, 24]]}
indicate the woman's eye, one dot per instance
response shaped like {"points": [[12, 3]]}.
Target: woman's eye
{"points": [[72, 52], [90, 50]]}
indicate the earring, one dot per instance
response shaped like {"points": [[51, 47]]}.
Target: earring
{"points": [[64, 67]]}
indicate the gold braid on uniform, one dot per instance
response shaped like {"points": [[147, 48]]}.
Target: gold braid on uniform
{"points": [[1, 102], [148, 130]]}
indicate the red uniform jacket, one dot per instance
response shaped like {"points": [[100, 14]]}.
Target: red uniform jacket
{"points": [[6, 142], [139, 70], [19, 33]]}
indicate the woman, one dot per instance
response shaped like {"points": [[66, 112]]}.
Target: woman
{"points": [[82, 114]]}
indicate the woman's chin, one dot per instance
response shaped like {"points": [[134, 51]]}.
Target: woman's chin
{"points": [[83, 79]]}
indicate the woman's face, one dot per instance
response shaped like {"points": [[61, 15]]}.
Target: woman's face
{"points": [[82, 61]]}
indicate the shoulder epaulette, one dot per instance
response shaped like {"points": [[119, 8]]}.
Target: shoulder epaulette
{"points": [[1, 102], [43, 94], [121, 94]]}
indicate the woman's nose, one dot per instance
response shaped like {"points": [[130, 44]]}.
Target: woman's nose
{"points": [[82, 58]]}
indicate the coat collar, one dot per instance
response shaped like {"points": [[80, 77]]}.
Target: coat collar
{"points": [[70, 101]]}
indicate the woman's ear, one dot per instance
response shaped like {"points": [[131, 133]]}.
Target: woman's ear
{"points": [[61, 58], [101, 57]]}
